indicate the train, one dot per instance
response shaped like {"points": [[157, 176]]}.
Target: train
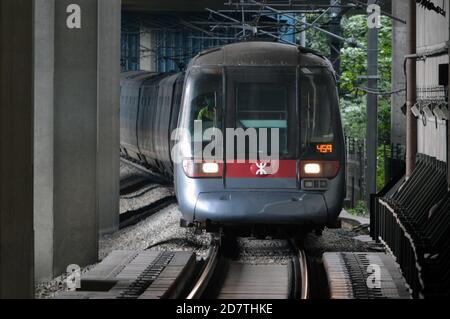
{"points": [[285, 91]]}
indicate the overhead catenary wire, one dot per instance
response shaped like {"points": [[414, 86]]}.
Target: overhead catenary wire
{"points": [[217, 26], [380, 92]]}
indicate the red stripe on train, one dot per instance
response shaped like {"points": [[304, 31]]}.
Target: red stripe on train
{"points": [[278, 169]]}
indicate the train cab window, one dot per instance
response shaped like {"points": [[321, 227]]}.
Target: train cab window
{"points": [[204, 109], [264, 98], [318, 102], [263, 105], [203, 101]]}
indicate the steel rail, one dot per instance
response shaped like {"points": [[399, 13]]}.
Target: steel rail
{"points": [[304, 275], [156, 177], [207, 273]]}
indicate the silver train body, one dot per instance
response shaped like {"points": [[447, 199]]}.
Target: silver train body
{"points": [[257, 85]]}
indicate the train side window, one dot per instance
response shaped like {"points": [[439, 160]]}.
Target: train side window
{"points": [[318, 100]]}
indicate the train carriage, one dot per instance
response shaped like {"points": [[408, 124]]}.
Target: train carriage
{"points": [[285, 91]]}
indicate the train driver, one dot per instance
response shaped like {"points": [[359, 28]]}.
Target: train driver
{"points": [[207, 108]]}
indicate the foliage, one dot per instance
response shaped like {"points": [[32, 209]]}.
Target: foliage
{"points": [[353, 66], [384, 152], [359, 210], [354, 117], [315, 40]]}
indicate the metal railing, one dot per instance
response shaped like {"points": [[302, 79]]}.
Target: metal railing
{"points": [[391, 157], [412, 219]]}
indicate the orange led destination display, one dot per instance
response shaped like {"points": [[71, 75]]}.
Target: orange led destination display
{"points": [[324, 148]]}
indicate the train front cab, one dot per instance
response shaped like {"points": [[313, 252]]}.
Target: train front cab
{"points": [[301, 102]]}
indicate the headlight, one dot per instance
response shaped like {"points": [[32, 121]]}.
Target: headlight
{"points": [[194, 169], [312, 169], [210, 168], [319, 169]]}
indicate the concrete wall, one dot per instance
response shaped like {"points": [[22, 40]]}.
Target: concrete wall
{"points": [[432, 28], [148, 53], [16, 149], [432, 140], [432, 35]]}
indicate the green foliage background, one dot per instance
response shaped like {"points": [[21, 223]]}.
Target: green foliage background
{"points": [[354, 65]]}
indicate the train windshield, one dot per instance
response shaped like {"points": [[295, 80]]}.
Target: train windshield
{"points": [[262, 100], [203, 103], [318, 107], [263, 105]]}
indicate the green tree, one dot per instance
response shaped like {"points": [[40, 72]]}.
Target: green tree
{"points": [[353, 97], [353, 66]]}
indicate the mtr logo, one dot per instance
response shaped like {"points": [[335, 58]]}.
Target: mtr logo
{"points": [[261, 169]]}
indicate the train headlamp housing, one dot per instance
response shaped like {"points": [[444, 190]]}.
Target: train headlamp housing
{"points": [[202, 169], [319, 169]]}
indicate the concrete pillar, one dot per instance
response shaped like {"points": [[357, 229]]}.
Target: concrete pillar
{"points": [[399, 41], [77, 130], [43, 137], [303, 34], [108, 159], [16, 149], [148, 56], [75, 143]]}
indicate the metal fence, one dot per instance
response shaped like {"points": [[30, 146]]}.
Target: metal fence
{"points": [[394, 156], [411, 218], [391, 160], [356, 162]]}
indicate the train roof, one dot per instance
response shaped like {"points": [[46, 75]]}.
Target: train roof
{"points": [[259, 53], [139, 77]]}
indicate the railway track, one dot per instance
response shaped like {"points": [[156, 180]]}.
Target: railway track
{"points": [[133, 217], [223, 277], [138, 185], [147, 173], [132, 184], [180, 275]]}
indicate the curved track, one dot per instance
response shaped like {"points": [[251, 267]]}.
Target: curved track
{"points": [[223, 278], [207, 273], [303, 275]]}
